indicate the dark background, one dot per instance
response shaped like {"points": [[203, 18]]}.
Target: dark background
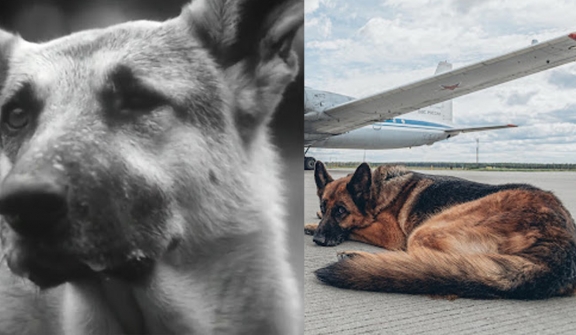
{"points": [[42, 20]]}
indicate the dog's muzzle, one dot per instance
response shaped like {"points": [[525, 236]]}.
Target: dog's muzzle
{"points": [[34, 204], [329, 239]]}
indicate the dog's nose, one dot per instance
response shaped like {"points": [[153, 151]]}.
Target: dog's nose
{"points": [[33, 204], [319, 239]]}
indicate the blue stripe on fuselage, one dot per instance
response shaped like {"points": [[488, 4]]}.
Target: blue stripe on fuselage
{"points": [[413, 123]]}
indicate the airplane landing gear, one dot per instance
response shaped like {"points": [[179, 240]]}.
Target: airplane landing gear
{"points": [[309, 163]]}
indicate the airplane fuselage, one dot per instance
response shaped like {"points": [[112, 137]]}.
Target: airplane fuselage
{"points": [[413, 129], [390, 134]]}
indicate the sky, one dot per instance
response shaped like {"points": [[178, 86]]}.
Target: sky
{"points": [[358, 48]]}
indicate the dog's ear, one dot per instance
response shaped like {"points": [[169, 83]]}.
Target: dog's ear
{"points": [[252, 41], [235, 30], [7, 41], [321, 177], [359, 186]]}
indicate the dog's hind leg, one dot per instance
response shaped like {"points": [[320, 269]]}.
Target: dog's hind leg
{"points": [[427, 271]]}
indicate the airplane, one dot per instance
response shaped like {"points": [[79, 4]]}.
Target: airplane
{"points": [[337, 121], [423, 127]]}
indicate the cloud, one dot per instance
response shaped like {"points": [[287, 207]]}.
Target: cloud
{"points": [[566, 114], [320, 26], [385, 44], [563, 79], [310, 6], [465, 6], [518, 98]]}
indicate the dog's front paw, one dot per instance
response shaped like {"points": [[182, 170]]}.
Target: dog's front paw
{"points": [[342, 255], [310, 229]]}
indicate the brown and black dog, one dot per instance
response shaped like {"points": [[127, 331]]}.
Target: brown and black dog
{"points": [[446, 236]]}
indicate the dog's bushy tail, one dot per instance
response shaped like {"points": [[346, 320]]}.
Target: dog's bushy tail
{"points": [[438, 273]]}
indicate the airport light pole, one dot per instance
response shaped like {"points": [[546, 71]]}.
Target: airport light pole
{"points": [[477, 149]]}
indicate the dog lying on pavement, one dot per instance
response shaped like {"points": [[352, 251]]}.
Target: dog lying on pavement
{"points": [[447, 236]]}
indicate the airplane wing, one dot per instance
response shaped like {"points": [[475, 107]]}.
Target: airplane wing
{"points": [[454, 131], [445, 86]]}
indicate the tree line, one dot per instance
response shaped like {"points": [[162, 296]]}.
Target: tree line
{"points": [[464, 166]]}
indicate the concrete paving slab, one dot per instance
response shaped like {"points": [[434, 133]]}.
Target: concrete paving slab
{"points": [[330, 310]]}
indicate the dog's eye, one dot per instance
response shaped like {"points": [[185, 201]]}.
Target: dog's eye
{"points": [[17, 118], [341, 210]]}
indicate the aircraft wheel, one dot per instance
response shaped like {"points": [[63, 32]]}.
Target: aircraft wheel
{"points": [[309, 163]]}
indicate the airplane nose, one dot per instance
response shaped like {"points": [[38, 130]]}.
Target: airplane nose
{"points": [[33, 204]]}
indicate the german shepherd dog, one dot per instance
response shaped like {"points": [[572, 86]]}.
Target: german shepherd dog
{"points": [[137, 175], [447, 236]]}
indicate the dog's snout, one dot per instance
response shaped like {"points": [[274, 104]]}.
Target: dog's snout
{"points": [[33, 204], [319, 239]]}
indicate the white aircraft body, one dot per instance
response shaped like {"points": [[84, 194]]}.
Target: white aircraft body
{"points": [[421, 112], [425, 126]]}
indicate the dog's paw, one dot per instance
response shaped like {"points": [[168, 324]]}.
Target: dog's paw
{"points": [[310, 229], [342, 255], [319, 215], [449, 297]]}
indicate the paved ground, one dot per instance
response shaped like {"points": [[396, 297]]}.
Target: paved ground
{"points": [[330, 310]]}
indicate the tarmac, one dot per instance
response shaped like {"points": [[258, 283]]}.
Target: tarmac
{"points": [[330, 310]]}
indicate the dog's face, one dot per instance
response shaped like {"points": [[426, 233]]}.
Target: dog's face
{"points": [[343, 203], [115, 141]]}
